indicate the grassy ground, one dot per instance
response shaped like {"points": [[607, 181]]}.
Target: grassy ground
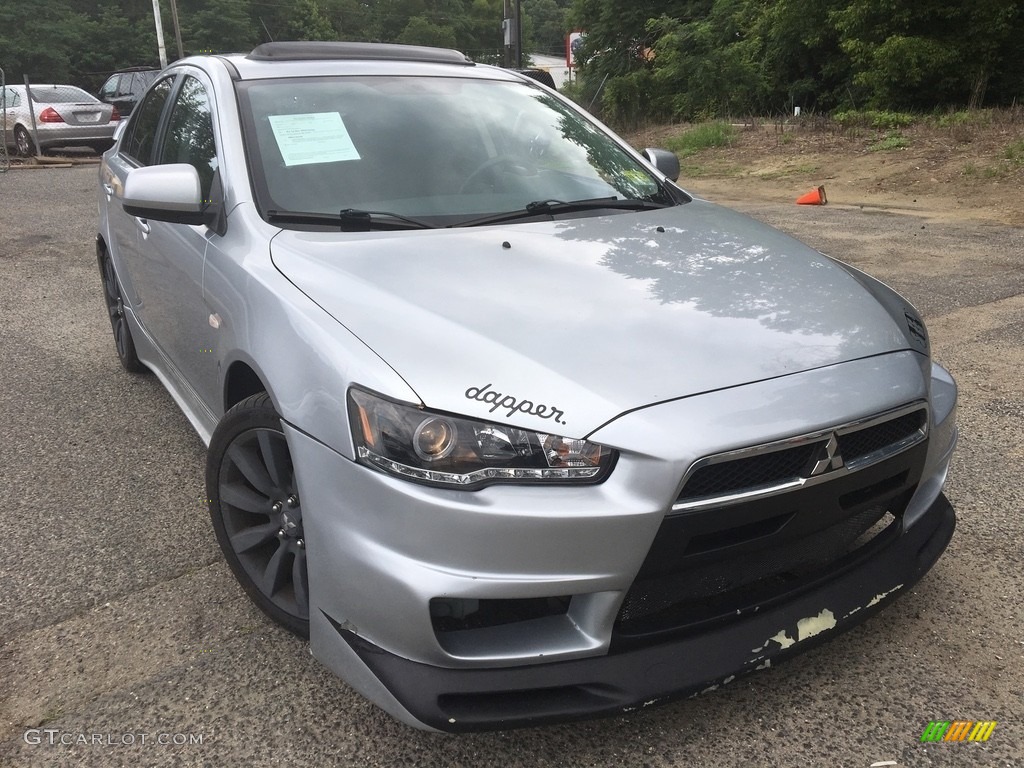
{"points": [[967, 164]]}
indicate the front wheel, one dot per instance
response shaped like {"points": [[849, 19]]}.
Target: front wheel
{"points": [[256, 511]]}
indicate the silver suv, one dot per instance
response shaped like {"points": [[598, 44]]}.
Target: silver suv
{"points": [[509, 425]]}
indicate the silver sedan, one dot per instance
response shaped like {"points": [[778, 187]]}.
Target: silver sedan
{"points": [[509, 425], [65, 116]]}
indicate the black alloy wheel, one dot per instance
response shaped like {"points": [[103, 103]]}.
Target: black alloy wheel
{"points": [[115, 309], [256, 512]]}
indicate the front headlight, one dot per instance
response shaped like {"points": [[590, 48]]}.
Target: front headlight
{"points": [[449, 451]]}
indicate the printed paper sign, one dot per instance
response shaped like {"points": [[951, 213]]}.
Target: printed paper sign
{"points": [[317, 137]]}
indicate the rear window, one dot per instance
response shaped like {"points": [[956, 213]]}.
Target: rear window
{"points": [[61, 94]]}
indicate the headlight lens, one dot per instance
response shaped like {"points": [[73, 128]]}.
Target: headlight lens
{"points": [[448, 451]]}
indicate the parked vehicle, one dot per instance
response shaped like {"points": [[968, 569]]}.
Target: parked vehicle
{"points": [[513, 428], [540, 75], [65, 116], [124, 88]]}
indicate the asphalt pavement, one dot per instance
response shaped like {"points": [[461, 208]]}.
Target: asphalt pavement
{"points": [[124, 640]]}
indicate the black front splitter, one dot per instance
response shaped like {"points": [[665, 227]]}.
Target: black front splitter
{"points": [[461, 700]]}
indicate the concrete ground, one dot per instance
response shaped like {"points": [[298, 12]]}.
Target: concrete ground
{"points": [[124, 639]]}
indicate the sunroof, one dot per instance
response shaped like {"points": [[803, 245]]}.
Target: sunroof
{"points": [[317, 49]]}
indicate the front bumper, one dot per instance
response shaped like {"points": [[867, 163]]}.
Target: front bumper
{"points": [[381, 551], [478, 699]]}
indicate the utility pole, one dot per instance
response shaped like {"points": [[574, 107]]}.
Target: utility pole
{"points": [[159, 33], [512, 26], [519, 36], [177, 28]]}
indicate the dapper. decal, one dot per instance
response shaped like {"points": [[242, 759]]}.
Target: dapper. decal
{"points": [[513, 404]]}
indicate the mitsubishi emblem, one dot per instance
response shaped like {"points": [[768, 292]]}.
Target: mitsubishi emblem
{"points": [[828, 457]]}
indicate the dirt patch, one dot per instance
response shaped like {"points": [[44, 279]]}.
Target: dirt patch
{"points": [[943, 173]]}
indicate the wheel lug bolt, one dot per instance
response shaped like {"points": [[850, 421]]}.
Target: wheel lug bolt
{"points": [[280, 534], [293, 500], [277, 506], [300, 543]]}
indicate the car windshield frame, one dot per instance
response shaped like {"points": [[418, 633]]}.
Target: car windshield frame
{"points": [[444, 150]]}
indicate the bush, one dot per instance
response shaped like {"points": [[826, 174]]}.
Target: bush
{"points": [[881, 120], [1014, 153], [703, 136], [895, 140]]}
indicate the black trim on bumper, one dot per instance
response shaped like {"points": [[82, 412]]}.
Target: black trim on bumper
{"points": [[509, 697]]}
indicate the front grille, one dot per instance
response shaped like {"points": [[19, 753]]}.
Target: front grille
{"points": [[724, 584], [736, 549], [791, 462], [856, 446], [751, 472]]}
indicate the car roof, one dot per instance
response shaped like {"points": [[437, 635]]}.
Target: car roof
{"points": [[324, 58]]}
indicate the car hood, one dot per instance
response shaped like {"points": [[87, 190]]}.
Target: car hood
{"points": [[563, 325]]}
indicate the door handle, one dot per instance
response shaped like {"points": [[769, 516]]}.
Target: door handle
{"points": [[143, 225]]}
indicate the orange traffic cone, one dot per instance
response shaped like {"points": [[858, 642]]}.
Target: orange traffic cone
{"points": [[814, 197]]}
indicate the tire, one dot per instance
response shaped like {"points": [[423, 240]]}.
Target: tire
{"points": [[23, 142], [255, 510], [123, 342]]}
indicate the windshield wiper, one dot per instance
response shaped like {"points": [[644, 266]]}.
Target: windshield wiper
{"points": [[543, 207], [351, 219]]}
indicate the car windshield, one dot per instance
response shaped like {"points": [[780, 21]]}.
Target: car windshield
{"points": [[441, 150], [61, 94]]}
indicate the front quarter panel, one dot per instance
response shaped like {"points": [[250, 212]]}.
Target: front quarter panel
{"points": [[305, 359]]}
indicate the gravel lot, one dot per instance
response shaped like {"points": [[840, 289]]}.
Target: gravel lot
{"points": [[119, 622]]}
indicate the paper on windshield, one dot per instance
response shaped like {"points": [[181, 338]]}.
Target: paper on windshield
{"points": [[315, 137]]}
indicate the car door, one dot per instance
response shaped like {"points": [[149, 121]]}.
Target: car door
{"points": [[136, 149], [174, 254], [124, 100], [161, 264]]}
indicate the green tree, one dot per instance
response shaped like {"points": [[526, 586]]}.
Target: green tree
{"points": [[215, 25], [350, 19], [711, 66], [478, 32], [308, 21], [923, 53], [40, 40], [804, 64], [545, 25], [422, 31]]}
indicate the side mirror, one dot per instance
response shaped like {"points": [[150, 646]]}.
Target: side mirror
{"points": [[165, 193], [664, 161]]}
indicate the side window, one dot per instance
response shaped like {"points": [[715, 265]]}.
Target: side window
{"points": [[110, 87], [189, 137], [145, 121], [11, 98]]}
